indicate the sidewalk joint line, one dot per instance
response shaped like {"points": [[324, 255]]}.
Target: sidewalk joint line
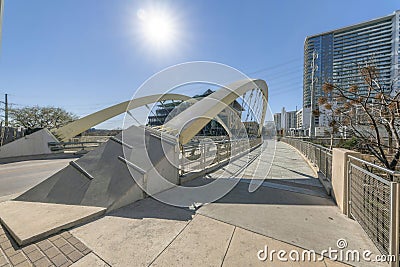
{"points": [[97, 255], [173, 239], [229, 244], [253, 231], [273, 238]]}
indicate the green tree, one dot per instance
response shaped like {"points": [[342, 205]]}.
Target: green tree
{"points": [[40, 117]]}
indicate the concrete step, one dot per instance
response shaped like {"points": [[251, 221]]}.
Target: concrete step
{"points": [[29, 222]]}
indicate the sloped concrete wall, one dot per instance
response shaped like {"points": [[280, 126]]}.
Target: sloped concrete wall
{"points": [[156, 155], [33, 144], [102, 178]]}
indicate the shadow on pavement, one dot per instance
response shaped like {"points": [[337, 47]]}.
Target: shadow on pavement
{"points": [[151, 208], [271, 196]]}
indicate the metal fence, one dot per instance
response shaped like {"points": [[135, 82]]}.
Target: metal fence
{"points": [[81, 147], [374, 203], [206, 154], [373, 197], [80, 144], [9, 134], [320, 156]]}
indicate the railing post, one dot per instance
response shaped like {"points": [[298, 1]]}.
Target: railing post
{"points": [[326, 165], [182, 159], [182, 167], [218, 152], [394, 223], [347, 190], [204, 156], [315, 156], [319, 160]]}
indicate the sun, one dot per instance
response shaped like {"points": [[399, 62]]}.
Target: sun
{"points": [[158, 27]]}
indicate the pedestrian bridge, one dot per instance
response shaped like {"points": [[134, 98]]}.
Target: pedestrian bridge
{"points": [[145, 160], [289, 211], [241, 183]]}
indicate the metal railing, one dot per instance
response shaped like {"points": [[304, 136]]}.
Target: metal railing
{"points": [[373, 197], [320, 156], [74, 146], [9, 134], [206, 154], [374, 203]]}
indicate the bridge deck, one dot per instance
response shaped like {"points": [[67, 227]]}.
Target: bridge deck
{"points": [[282, 214]]}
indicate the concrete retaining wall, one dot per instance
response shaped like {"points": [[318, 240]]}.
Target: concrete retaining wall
{"points": [[33, 144], [339, 176]]}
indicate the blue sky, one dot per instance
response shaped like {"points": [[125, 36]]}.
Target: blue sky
{"points": [[85, 55]]}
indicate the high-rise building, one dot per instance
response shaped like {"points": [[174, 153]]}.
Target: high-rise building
{"points": [[288, 119], [285, 121], [303, 118], [337, 55], [278, 120]]}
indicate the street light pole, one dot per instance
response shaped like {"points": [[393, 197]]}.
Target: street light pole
{"points": [[312, 93], [6, 110]]}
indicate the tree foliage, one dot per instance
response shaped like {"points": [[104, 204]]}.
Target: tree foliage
{"points": [[40, 117], [371, 110]]}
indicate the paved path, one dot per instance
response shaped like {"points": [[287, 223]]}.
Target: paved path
{"points": [[285, 170], [18, 177], [59, 250], [290, 212]]}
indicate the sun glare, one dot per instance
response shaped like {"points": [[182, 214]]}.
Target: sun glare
{"points": [[157, 27]]}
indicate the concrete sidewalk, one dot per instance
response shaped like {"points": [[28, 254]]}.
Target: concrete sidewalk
{"points": [[290, 212], [232, 230]]}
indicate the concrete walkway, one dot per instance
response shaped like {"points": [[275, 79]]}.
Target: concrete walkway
{"points": [[283, 213], [290, 211]]}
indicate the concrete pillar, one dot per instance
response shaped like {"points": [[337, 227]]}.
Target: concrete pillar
{"points": [[339, 176]]}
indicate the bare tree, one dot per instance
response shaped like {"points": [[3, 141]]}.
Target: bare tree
{"points": [[40, 117], [371, 111], [326, 109]]}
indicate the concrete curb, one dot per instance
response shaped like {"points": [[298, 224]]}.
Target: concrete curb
{"points": [[45, 219], [39, 157]]}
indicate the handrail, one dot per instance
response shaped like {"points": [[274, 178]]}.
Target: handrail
{"points": [[74, 143], [308, 142], [377, 177], [81, 169], [224, 150], [391, 172], [133, 165], [120, 142]]}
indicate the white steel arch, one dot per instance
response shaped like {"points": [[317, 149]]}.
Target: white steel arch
{"points": [[76, 127], [189, 122]]}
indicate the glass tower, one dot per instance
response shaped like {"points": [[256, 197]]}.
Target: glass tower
{"points": [[340, 53]]}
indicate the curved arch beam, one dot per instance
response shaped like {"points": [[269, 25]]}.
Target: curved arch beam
{"points": [[193, 119], [79, 126]]}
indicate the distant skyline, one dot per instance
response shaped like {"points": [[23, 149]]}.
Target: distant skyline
{"points": [[87, 55]]}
